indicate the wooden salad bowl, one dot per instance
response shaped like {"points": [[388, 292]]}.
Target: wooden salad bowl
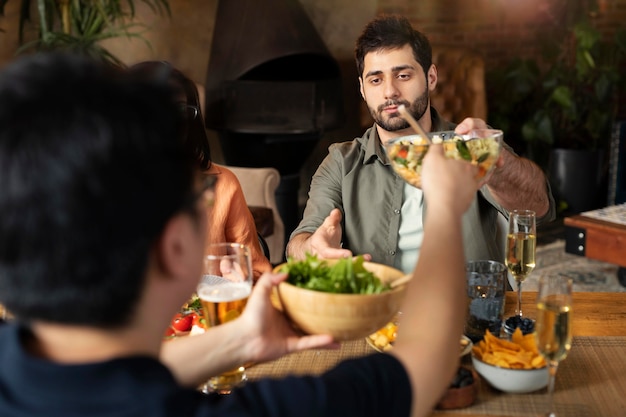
{"points": [[344, 316]]}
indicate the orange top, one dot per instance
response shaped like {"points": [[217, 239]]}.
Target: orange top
{"points": [[230, 219]]}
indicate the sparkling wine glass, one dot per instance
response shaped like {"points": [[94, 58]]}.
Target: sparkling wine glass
{"points": [[521, 249], [554, 325], [223, 291]]}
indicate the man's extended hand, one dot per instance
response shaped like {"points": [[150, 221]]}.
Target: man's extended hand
{"points": [[326, 241]]}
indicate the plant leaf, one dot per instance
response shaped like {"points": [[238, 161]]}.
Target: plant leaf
{"points": [[562, 95]]}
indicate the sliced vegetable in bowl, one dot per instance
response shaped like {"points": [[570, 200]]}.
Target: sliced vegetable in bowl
{"points": [[480, 147]]}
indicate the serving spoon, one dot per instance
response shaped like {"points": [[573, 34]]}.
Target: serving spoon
{"points": [[400, 281], [404, 113]]}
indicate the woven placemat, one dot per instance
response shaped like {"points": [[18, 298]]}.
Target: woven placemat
{"points": [[310, 362], [590, 382]]}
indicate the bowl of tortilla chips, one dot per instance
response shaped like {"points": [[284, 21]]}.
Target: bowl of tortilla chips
{"points": [[513, 366]]}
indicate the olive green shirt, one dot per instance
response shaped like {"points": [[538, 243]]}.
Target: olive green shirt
{"points": [[357, 178]]}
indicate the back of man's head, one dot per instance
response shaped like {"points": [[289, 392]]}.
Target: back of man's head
{"points": [[91, 168]]}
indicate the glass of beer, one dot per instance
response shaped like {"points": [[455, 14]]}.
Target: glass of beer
{"points": [[223, 291]]}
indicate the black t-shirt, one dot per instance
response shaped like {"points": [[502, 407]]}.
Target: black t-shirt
{"points": [[376, 385]]}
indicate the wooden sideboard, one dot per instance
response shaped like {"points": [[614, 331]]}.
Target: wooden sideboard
{"points": [[597, 239]]}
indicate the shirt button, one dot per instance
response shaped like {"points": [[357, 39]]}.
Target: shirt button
{"points": [[392, 252], [396, 211]]}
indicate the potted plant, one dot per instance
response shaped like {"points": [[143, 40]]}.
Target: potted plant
{"points": [[80, 25], [561, 111]]}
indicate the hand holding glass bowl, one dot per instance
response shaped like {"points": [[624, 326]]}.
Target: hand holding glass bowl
{"points": [[480, 147]]}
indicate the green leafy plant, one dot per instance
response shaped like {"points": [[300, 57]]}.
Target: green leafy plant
{"points": [[80, 25], [566, 100]]}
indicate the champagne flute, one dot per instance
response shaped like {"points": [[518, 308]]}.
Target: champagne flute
{"points": [[223, 291], [554, 325], [521, 249]]}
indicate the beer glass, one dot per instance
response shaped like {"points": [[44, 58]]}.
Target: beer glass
{"points": [[223, 291]]}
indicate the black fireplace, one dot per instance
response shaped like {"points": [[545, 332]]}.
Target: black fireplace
{"points": [[272, 90]]}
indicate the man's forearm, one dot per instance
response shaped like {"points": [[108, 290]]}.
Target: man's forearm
{"points": [[521, 185], [298, 246]]}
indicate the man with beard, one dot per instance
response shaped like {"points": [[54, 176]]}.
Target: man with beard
{"points": [[358, 205]]}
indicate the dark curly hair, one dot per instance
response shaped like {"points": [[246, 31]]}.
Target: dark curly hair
{"points": [[392, 32], [91, 173]]}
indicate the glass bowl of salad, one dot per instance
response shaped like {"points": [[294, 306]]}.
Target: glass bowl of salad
{"points": [[480, 147], [346, 298]]}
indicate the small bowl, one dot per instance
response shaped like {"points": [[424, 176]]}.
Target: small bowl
{"points": [[344, 316], [459, 397], [515, 381], [480, 147]]}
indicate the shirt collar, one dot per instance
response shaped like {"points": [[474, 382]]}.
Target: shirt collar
{"points": [[373, 148]]}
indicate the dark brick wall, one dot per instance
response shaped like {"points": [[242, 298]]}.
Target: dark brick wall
{"points": [[499, 29]]}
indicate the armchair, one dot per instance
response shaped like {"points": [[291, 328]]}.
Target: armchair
{"points": [[259, 188], [460, 90]]}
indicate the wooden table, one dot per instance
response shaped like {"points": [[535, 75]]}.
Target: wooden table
{"points": [[591, 381], [595, 313]]}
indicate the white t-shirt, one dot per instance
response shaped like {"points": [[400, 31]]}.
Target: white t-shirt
{"points": [[411, 230]]}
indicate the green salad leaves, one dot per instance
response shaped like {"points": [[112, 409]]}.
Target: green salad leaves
{"points": [[346, 276]]}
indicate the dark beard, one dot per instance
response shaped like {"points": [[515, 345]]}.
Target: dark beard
{"points": [[395, 122]]}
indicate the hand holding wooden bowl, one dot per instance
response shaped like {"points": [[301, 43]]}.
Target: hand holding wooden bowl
{"points": [[480, 147], [344, 316]]}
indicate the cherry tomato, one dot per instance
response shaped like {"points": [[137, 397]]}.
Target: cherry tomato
{"points": [[199, 320], [181, 323], [169, 332]]}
